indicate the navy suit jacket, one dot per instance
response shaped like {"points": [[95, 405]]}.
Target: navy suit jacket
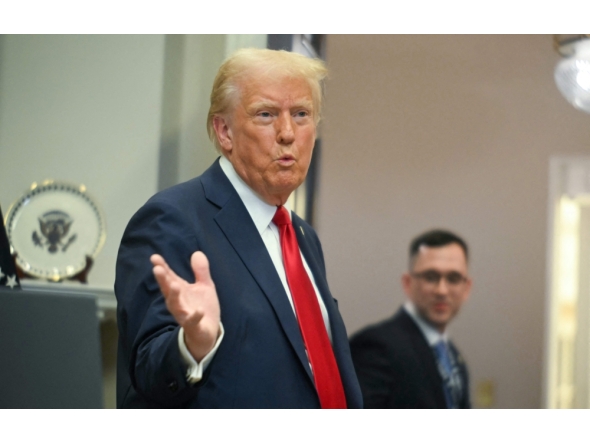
{"points": [[261, 362], [397, 369]]}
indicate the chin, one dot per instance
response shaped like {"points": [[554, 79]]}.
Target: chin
{"points": [[438, 321], [286, 186]]}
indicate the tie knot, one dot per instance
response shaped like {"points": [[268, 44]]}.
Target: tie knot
{"points": [[441, 347], [281, 217]]}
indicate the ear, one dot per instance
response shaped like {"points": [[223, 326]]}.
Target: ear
{"points": [[467, 289], [223, 133], [407, 284]]}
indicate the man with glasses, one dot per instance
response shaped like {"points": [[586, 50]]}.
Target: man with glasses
{"points": [[407, 361]]}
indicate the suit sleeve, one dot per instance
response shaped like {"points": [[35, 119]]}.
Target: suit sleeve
{"points": [[373, 369], [148, 332]]}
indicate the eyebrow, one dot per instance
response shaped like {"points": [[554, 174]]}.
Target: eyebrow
{"points": [[270, 104], [262, 104]]}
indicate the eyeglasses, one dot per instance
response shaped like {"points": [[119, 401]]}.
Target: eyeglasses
{"points": [[431, 277]]}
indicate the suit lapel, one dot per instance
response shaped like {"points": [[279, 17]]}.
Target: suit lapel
{"points": [[426, 357], [312, 255], [237, 225], [464, 401]]}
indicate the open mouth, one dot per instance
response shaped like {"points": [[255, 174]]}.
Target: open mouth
{"points": [[286, 160]]}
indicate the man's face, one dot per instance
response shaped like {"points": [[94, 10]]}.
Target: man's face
{"points": [[270, 134], [438, 283]]}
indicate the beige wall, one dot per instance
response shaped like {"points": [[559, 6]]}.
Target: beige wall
{"points": [[454, 132], [83, 109]]}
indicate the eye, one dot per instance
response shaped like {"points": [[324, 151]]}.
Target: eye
{"points": [[431, 277], [264, 117], [301, 115], [455, 278]]}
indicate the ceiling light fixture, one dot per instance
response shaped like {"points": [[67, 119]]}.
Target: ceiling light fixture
{"points": [[572, 73]]}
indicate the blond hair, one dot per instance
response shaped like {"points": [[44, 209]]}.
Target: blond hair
{"points": [[264, 63]]}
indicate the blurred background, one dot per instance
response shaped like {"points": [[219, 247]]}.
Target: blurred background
{"points": [[464, 132]]}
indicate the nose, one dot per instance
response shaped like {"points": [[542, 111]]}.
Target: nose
{"points": [[285, 130]]}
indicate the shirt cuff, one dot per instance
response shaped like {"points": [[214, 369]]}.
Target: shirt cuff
{"points": [[195, 370]]}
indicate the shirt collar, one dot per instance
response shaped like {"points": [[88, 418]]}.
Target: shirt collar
{"points": [[432, 335], [260, 212]]}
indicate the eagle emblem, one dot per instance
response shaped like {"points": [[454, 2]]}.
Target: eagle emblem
{"points": [[54, 227]]}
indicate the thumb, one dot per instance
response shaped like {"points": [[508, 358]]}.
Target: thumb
{"points": [[200, 265]]}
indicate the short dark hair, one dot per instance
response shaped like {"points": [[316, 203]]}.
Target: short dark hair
{"points": [[436, 238]]}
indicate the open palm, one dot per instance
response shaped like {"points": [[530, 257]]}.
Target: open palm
{"points": [[194, 306]]}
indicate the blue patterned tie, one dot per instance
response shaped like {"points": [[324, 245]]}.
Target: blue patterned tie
{"points": [[446, 370]]}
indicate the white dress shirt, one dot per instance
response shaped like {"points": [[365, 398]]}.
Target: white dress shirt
{"points": [[432, 335], [261, 214]]}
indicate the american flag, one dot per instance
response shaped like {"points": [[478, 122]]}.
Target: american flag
{"points": [[8, 276]]}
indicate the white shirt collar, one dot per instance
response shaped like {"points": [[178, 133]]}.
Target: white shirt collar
{"points": [[431, 334], [260, 212]]}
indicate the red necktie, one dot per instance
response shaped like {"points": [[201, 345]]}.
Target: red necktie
{"points": [[309, 316]]}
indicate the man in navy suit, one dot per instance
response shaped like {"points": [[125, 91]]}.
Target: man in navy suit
{"points": [[206, 311], [408, 361]]}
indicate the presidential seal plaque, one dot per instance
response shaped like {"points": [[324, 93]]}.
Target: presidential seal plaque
{"points": [[55, 230]]}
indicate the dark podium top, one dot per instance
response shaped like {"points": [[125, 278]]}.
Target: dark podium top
{"points": [[50, 350]]}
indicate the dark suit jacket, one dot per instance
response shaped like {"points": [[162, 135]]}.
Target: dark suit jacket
{"points": [[397, 369], [261, 362]]}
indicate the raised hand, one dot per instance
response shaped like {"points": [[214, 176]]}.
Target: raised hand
{"points": [[194, 306]]}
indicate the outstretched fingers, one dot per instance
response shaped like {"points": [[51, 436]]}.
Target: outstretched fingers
{"points": [[195, 306], [168, 281], [200, 265]]}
